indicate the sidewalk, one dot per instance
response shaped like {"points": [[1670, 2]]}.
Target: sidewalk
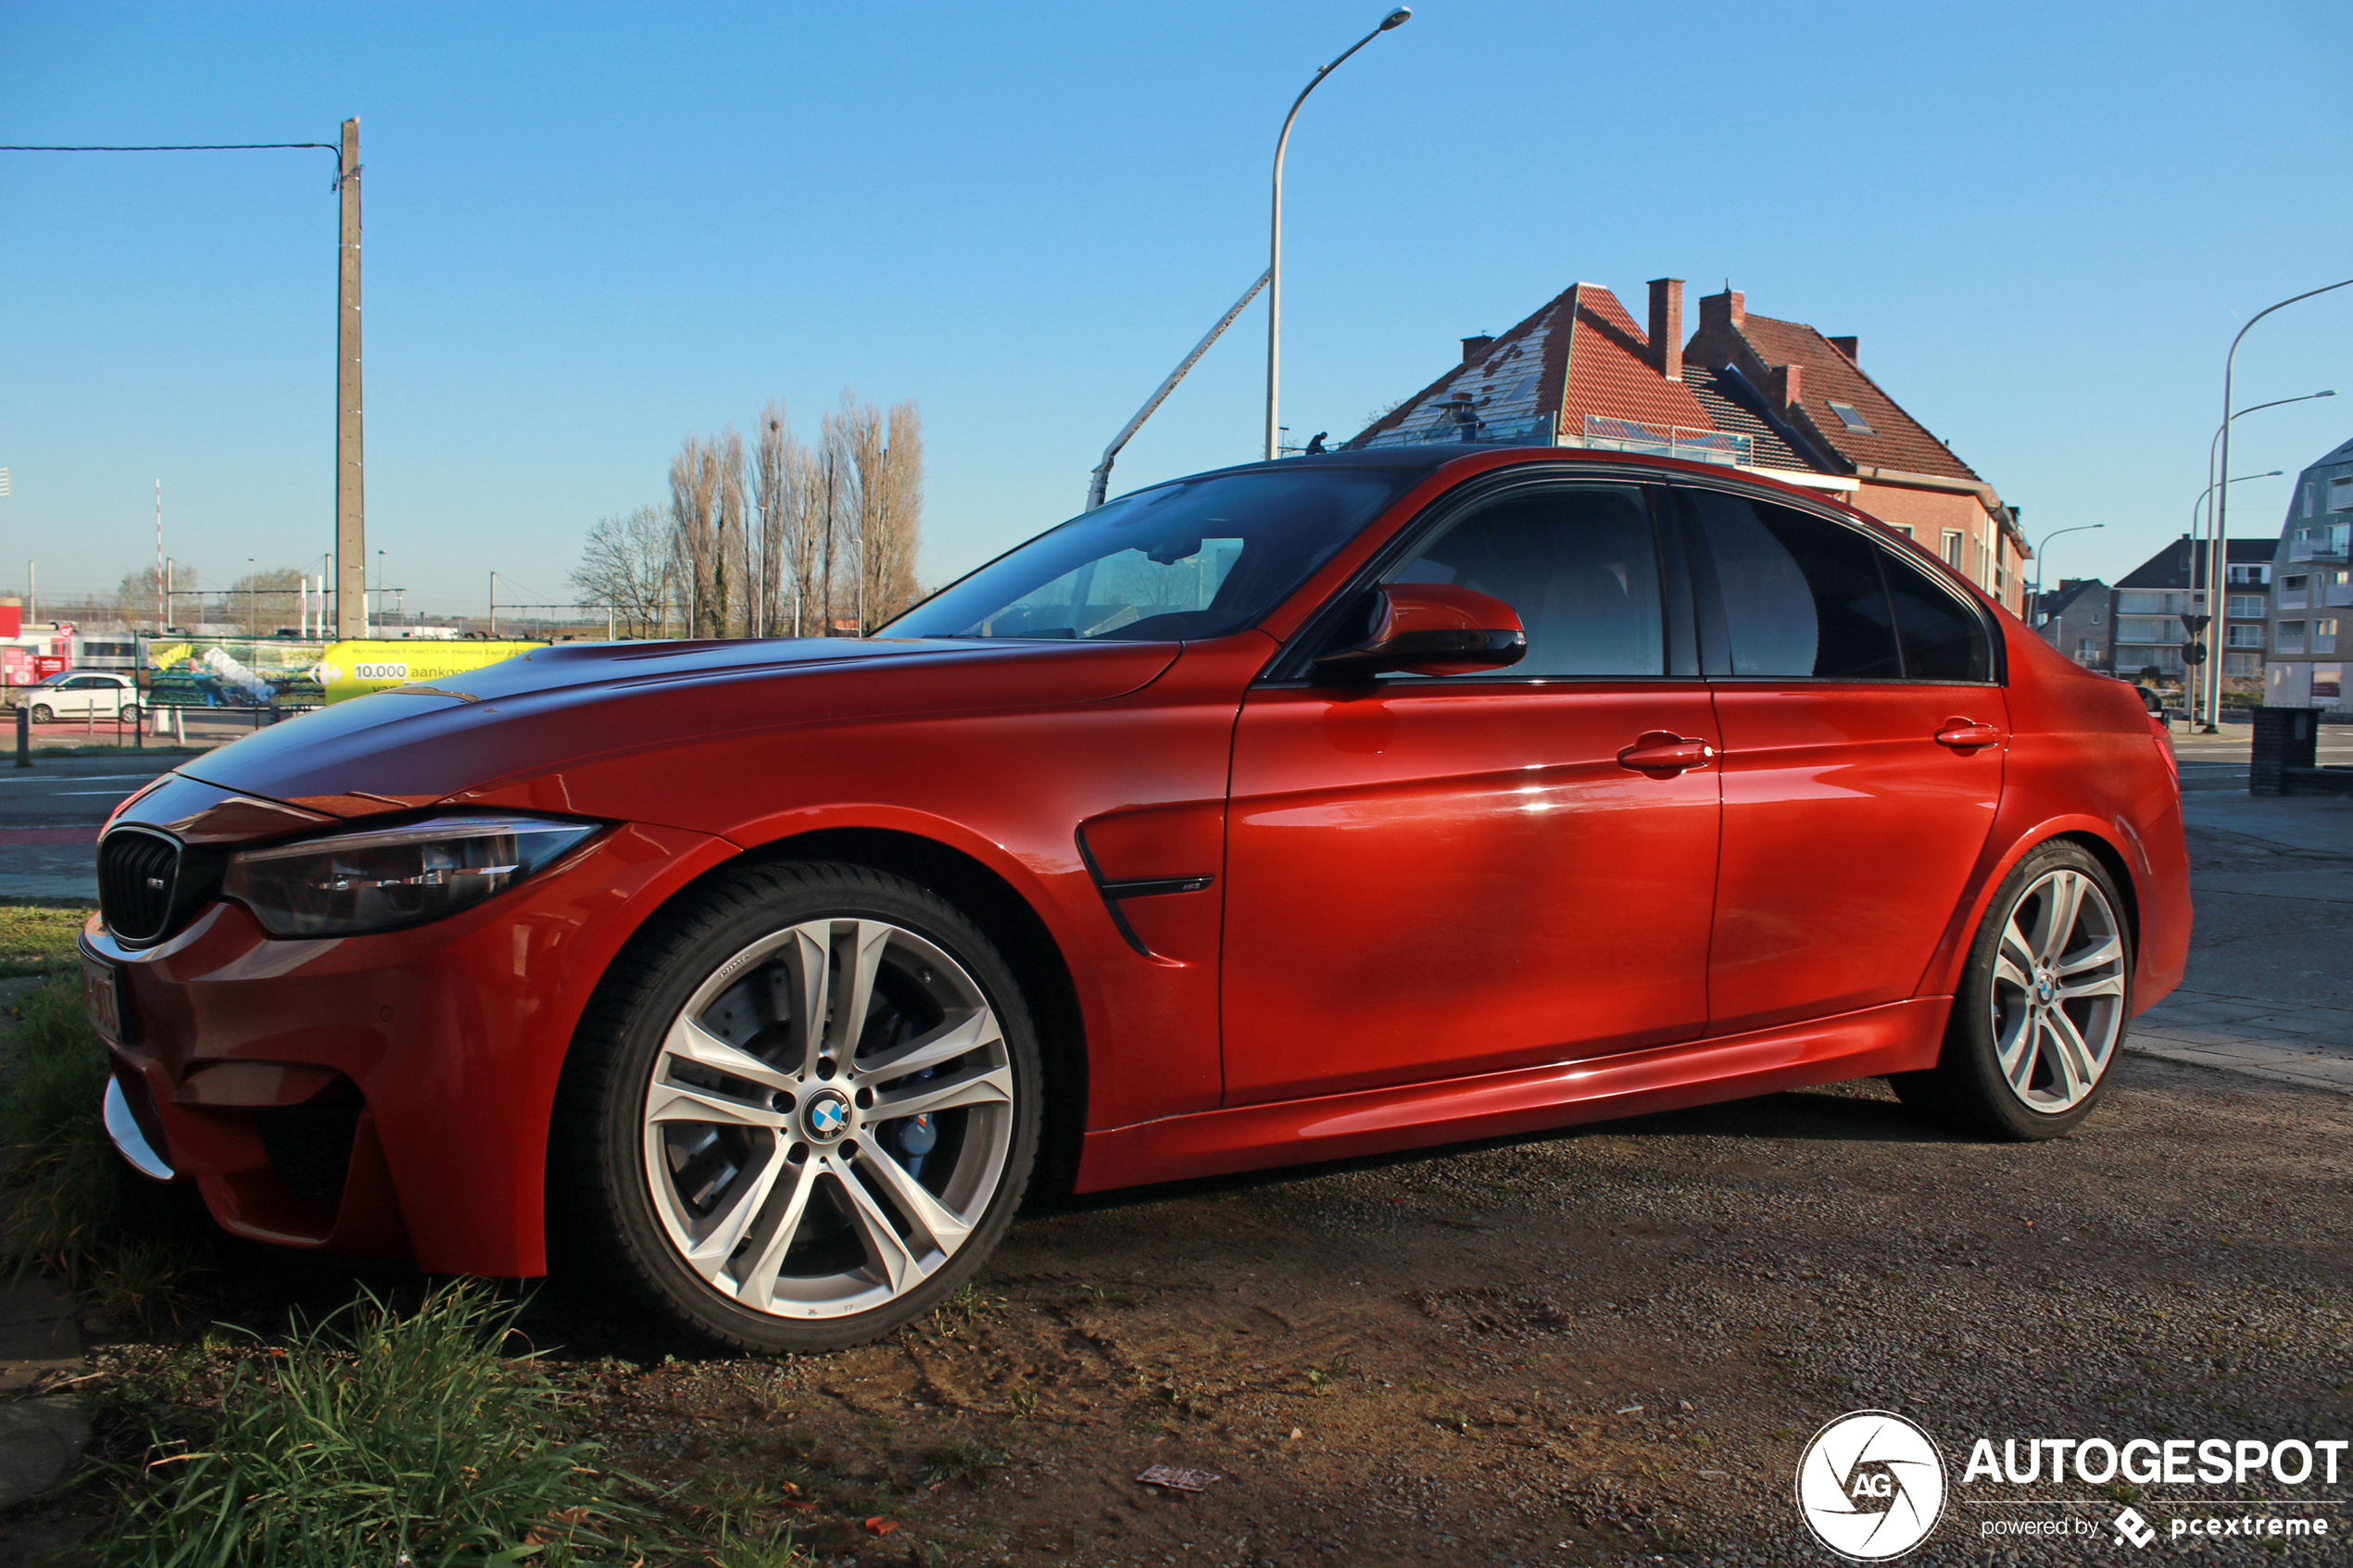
{"points": [[2270, 987]]}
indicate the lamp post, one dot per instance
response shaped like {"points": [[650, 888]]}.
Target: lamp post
{"points": [[2193, 690], [1395, 19], [2036, 607], [2213, 680], [2198, 532]]}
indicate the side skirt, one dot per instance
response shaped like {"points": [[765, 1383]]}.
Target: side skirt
{"points": [[1898, 1038]]}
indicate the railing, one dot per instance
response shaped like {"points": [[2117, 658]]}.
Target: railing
{"points": [[2326, 542], [1727, 448], [1533, 431]]}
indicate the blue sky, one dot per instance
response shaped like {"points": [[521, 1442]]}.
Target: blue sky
{"points": [[592, 229]]}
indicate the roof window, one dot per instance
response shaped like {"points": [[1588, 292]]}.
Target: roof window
{"points": [[1849, 416]]}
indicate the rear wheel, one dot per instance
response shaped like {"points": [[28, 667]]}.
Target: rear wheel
{"points": [[2038, 1019], [128, 713], [804, 1110]]}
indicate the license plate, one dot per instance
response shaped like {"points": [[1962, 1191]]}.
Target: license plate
{"points": [[102, 996]]}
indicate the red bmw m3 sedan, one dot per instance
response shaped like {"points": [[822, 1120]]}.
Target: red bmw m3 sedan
{"points": [[1300, 811]]}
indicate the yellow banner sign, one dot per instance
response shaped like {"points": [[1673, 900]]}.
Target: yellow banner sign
{"points": [[356, 669]]}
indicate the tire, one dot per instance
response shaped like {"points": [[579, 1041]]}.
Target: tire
{"points": [[737, 1172], [2038, 1019], [44, 714], [127, 714]]}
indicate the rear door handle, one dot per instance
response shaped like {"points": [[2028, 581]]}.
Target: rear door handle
{"points": [[1967, 734], [1663, 754]]}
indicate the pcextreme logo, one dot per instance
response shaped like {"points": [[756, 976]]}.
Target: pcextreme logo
{"points": [[1871, 1486]]}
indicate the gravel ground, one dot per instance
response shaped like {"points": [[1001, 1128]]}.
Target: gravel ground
{"points": [[1600, 1346]]}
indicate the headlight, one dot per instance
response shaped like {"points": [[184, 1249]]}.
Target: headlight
{"points": [[362, 882]]}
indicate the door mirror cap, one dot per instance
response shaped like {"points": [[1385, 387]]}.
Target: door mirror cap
{"points": [[1430, 629]]}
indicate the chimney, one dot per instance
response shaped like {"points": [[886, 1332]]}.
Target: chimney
{"points": [[1666, 327], [1849, 346], [1787, 389], [1725, 309], [1475, 348]]}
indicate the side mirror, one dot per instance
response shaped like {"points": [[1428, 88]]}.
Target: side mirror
{"points": [[1430, 629]]}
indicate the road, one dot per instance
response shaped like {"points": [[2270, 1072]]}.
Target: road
{"points": [[49, 819]]}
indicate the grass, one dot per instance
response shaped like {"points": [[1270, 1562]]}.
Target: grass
{"points": [[69, 1206], [39, 939], [375, 1437]]}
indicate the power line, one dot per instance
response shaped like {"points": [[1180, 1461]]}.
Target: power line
{"points": [[198, 147]]}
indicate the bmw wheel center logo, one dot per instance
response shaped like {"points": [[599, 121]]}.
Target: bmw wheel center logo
{"points": [[824, 1114], [1871, 1486]]}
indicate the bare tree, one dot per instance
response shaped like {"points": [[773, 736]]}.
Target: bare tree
{"points": [[730, 600], [811, 541], [630, 564], [694, 506], [262, 601], [808, 501], [774, 476], [135, 600], [895, 506]]}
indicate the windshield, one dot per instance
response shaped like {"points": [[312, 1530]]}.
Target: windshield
{"points": [[1197, 559]]}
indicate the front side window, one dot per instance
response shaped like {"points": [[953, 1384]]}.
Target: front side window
{"points": [[1580, 565], [1805, 596], [1201, 558]]}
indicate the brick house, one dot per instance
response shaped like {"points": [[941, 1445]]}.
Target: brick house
{"points": [[1746, 391]]}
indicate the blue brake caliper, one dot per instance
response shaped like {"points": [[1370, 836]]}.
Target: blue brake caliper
{"points": [[915, 1137]]}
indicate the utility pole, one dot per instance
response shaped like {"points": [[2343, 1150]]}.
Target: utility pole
{"points": [[160, 607], [351, 497]]}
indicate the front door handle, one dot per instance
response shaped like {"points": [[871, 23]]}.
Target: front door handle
{"points": [[1663, 754], [1966, 735]]}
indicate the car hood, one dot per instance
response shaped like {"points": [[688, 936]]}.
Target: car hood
{"points": [[559, 706]]}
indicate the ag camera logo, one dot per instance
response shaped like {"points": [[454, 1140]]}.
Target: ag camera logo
{"points": [[1871, 1486]]}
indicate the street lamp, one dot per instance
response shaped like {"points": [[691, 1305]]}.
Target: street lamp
{"points": [[1395, 19], [253, 605], [2193, 691], [2198, 532], [2036, 607], [2213, 682]]}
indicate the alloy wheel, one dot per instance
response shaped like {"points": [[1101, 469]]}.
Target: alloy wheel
{"points": [[828, 1118], [2057, 996]]}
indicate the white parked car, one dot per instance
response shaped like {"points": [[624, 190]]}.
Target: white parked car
{"points": [[79, 694]]}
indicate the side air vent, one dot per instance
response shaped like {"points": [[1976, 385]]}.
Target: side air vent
{"points": [[137, 870]]}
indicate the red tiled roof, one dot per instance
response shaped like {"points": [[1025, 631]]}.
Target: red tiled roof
{"points": [[1895, 441], [1610, 372], [1580, 354]]}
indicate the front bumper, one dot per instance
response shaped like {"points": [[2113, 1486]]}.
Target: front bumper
{"points": [[389, 1095]]}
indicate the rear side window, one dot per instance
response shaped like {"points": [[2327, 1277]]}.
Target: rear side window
{"points": [[1805, 596], [1802, 597], [1942, 638]]}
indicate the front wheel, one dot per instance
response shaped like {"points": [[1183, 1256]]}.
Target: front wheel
{"points": [[803, 1111], [2038, 1019], [43, 713]]}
